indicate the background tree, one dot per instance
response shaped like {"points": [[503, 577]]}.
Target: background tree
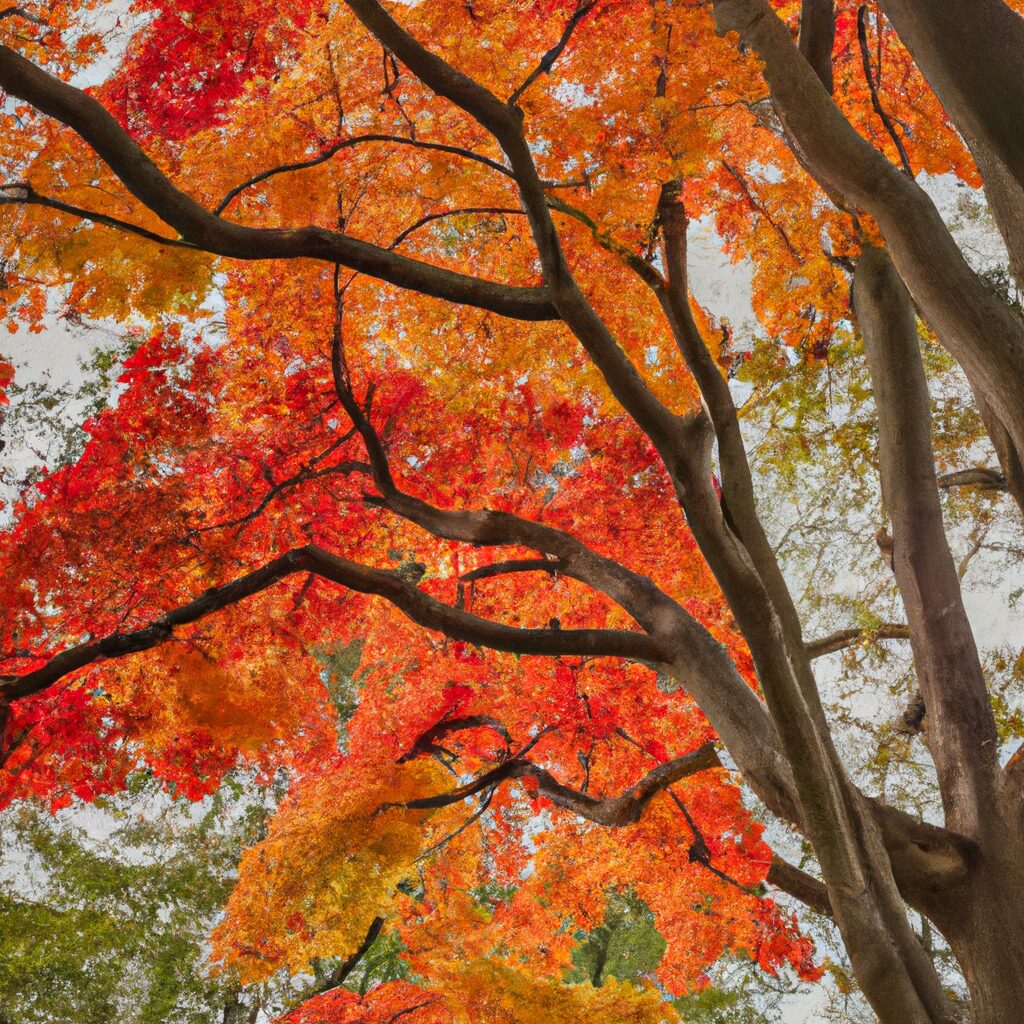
{"points": [[465, 411]]}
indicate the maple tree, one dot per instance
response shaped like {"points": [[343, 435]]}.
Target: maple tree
{"points": [[417, 382]]}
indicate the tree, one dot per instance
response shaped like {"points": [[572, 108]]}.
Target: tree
{"points": [[466, 413], [114, 928]]}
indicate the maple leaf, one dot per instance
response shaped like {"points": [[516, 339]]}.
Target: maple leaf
{"points": [[424, 489]]}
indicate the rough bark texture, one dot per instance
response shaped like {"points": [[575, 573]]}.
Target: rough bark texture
{"points": [[978, 74], [972, 53]]}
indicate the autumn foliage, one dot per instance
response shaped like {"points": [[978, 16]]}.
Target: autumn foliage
{"points": [[295, 404]]}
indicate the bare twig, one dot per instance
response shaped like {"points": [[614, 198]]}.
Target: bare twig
{"points": [[865, 57]]}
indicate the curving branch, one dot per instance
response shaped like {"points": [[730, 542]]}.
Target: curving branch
{"points": [[204, 230], [390, 585], [664, 427], [357, 140], [427, 742], [613, 812], [430, 218], [23, 194]]}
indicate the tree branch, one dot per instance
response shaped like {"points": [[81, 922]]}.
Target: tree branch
{"points": [[392, 586], [547, 62], [817, 37], [357, 140], [962, 730], [876, 103], [426, 742], [613, 812], [464, 211], [514, 565], [344, 969], [20, 12], [662, 425], [844, 638], [204, 230], [23, 194], [804, 887], [985, 477]]}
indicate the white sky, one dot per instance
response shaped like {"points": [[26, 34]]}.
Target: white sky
{"points": [[721, 286]]}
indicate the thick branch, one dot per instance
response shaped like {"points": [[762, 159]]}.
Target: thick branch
{"points": [[505, 123], [985, 477], [208, 232], [802, 886], [973, 57], [844, 638], [738, 506], [392, 586], [514, 565], [974, 324], [817, 37], [962, 731]]}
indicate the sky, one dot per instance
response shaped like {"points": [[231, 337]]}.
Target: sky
{"points": [[54, 359]]}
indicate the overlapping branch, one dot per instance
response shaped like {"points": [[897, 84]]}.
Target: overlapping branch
{"points": [[672, 636], [963, 739], [204, 230], [613, 812], [976, 326]]}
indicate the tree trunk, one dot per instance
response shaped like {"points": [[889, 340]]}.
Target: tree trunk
{"points": [[981, 918], [983, 922], [982, 334], [972, 54]]}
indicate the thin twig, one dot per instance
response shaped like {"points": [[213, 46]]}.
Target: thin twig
{"points": [[357, 140], [23, 194], [865, 58]]}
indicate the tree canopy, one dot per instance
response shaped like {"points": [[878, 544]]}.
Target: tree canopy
{"points": [[429, 490]]}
